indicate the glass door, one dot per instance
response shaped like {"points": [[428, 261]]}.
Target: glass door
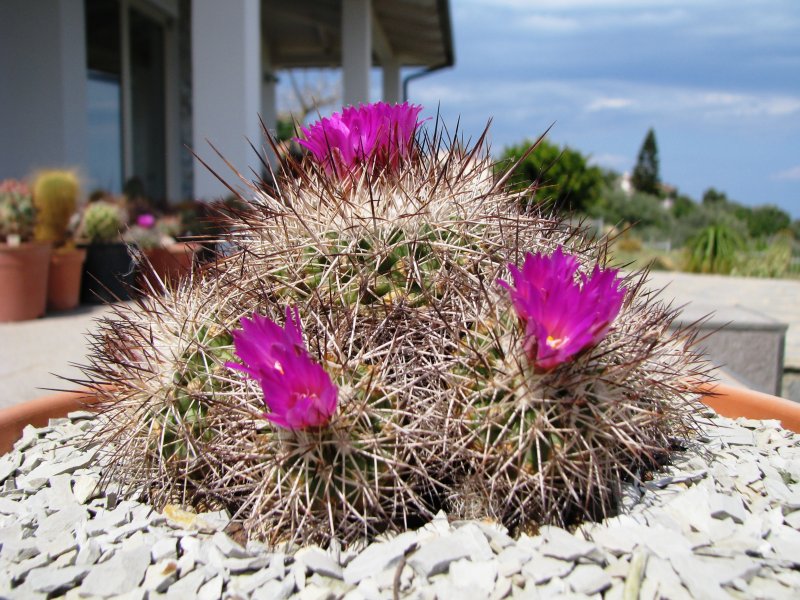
{"points": [[148, 104], [126, 55], [104, 95]]}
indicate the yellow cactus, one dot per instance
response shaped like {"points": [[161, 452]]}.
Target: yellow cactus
{"points": [[55, 195]]}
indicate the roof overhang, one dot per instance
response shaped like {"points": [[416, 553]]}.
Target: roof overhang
{"points": [[308, 33]]}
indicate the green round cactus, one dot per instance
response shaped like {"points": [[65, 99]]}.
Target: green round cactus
{"points": [[102, 222]]}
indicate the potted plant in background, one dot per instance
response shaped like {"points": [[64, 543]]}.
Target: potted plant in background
{"points": [[169, 258], [109, 271], [55, 196], [23, 262]]}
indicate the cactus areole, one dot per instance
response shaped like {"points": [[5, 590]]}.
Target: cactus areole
{"points": [[561, 315], [377, 135], [297, 391]]}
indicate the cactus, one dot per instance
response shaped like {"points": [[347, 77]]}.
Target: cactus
{"points": [[17, 212], [102, 222], [55, 194], [444, 399]]}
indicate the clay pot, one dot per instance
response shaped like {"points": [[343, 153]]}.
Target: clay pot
{"points": [[64, 282], [23, 281], [38, 412], [733, 402], [170, 263]]}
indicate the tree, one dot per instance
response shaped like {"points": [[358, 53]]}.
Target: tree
{"points": [[713, 197], [309, 92], [643, 211], [767, 220], [682, 206], [645, 176], [563, 174], [762, 221]]}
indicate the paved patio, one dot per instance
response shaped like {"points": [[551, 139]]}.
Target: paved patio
{"points": [[33, 353], [778, 299]]}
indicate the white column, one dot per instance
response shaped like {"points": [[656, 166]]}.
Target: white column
{"points": [[269, 97], [173, 114], [356, 49], [43, 115], [391, 81], [226, 90]]}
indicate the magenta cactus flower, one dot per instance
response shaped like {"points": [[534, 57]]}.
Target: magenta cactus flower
{"points": [[562, 315], [146, 221], [297, 391], [378, 136]]}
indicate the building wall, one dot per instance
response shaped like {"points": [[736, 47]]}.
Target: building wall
{"points": [[43, 119]]}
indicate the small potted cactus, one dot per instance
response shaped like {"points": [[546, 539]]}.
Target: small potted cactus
{"points": [[23, 262], [157, 238], [109, 271], [55, 196]]}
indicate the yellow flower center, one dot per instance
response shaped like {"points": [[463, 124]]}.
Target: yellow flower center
{"points": [[556, 343]]}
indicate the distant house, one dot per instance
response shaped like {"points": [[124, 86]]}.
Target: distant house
{"points": [[120, 88], [625, 184]]}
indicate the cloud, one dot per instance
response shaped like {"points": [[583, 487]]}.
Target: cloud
{"points": [[610, 95], [549, 23], [611, 161], [561, 23], [744, 105], [790, 174], [581, 5], [608, 103], [695, 102]]}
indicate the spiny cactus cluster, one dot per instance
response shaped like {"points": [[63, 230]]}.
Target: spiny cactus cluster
{"points": [[394, 335]]}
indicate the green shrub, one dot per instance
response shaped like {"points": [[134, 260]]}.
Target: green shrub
{"points": [[773, 259], [714, 249]]}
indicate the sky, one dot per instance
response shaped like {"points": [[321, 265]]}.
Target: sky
{"points": [[718, 81]]}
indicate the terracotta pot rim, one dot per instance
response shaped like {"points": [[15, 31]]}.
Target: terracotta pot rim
{"points": [[731, 401], [25, 246], [727, 400], [38, 412]]}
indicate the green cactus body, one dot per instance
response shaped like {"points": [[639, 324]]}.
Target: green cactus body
{"points": [[102, 222], [55, 194]]}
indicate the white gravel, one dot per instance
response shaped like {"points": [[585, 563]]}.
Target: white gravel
{"points": [[721, 522]]}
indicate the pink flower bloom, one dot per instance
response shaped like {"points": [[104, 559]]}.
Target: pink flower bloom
{"points": [[297, 391], [146, 221], [562, 316], [378, 136]]}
